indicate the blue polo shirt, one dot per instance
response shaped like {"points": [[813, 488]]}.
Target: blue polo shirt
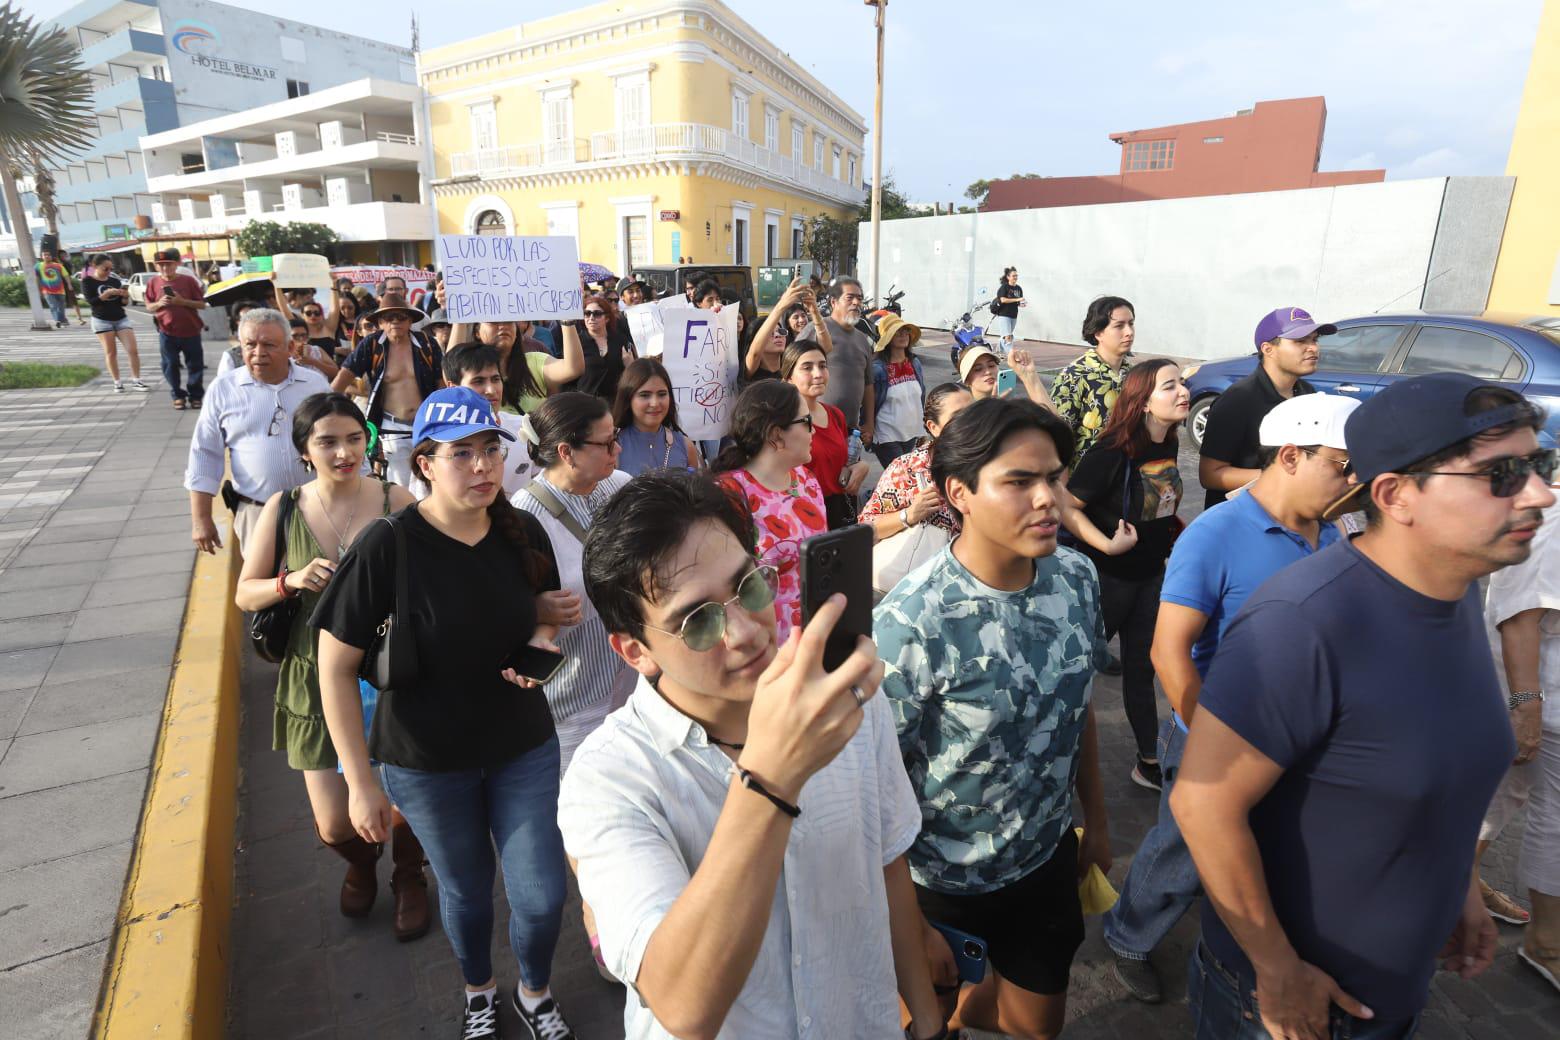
{"points": [[1221, 558]]}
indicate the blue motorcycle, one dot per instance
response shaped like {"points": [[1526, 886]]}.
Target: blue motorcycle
{"points": [[967, 334]]}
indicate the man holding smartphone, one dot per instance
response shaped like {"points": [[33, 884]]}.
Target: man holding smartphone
{"points": [[175, 301], [991, 649], [740, 824]]}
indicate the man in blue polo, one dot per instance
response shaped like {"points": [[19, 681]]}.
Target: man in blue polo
{"points": [[1217, 562]]}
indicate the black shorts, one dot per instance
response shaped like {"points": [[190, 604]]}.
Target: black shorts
{"points": [[1032, 928]]}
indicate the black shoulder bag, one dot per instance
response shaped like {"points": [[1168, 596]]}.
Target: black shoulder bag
{"points": [[271, 627], [391, 662]]}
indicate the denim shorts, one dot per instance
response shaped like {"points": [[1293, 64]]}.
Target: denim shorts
{"points": [[99, 325]]}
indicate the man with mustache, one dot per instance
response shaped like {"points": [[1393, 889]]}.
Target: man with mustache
{"points": [[1286, 344], [1351, 731]]}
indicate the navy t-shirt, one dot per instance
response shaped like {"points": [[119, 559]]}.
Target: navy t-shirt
{"points": [[1383, 708]]}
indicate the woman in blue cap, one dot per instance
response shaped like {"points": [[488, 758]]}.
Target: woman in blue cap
{"points": [[468, 747]]}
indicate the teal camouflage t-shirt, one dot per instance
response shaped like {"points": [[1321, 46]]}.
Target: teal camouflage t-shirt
{"points": [[990, 691]]}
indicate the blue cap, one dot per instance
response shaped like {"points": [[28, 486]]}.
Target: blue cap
{"points": [[1289, 323], [455, 412]]}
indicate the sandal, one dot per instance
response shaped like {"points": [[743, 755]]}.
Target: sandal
{"points": [[1501, 906], [178, 404]]}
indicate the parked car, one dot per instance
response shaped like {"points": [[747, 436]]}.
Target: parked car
{"points": [[668, 279], [1367, 354], [137, 286]]}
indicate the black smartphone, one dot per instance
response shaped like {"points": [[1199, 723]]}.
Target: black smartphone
{"points": [[535, 663], [839, 561], [167, 291], [969, 953]]}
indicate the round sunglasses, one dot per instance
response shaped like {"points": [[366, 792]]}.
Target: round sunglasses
{"points": [[705, 625]]}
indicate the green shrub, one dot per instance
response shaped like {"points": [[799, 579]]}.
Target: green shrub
{"points": [[13, 290], [26, 375]]}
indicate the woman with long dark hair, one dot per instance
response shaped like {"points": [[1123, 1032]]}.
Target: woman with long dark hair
{"points": [[606, 349], [905, 495], [806, 367], [645, 414], [1125, 493], [766, 463], [1010, 297], [468, 747]]}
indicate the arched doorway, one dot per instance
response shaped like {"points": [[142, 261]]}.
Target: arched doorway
{"points": [[491, 222]]}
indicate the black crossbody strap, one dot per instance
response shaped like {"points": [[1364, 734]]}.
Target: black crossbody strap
{"points": [[543, 494], [284, 516]]}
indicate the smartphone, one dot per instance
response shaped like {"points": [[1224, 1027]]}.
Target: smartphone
{"points": [[535, 663], [839, 561], [969, 953], [167, 291], [1007, 382]]}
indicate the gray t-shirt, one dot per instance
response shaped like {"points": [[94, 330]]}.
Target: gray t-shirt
{"points": [[850, 367]]}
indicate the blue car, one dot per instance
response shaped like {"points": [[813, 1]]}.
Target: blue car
{"points": [[1367, 354]]}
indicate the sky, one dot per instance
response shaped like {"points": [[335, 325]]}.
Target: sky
{"points": [[989, 88]]}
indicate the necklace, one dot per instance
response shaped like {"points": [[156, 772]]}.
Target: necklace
{"points": [[341, 538], [726, 743]]}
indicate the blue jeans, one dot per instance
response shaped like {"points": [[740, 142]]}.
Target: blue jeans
{"points": [[1223, 1003], [188, 349], [56, 304], [459, 818], [888, 451], [1162, 882]]}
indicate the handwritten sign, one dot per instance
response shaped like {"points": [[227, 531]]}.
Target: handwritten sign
{"points": [[510, 278], [302, 271], [701, 358], [645, 325]]}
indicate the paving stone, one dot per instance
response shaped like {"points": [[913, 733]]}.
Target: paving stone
{"points": [[70, 552], [101, 812], [61, 905], [73, 516], [13, 707], [181, 562], [76, 533], [69, 756], [28, 633], [99, 699], [55, 599], [25, 669], [52, 998], [19, 579], [155, 587], [107, 656], [166, 542], [122, 620], [161, 508]]}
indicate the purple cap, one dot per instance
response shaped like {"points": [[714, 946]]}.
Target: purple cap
{"points": [[1289, 323]]}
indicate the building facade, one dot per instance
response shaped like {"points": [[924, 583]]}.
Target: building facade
{"points": [[654, 132], [1272, 146], [160, 64]]}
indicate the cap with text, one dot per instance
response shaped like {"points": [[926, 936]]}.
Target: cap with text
{"points": [[1307, 419], [1289, 323], [453, 413]]}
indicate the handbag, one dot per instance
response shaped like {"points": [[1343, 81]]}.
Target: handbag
{"points": [[270, 628], [899, 554], [391, 661]]}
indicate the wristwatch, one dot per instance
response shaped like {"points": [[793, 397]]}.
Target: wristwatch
{"points": [[1521, 697], [904, 518]]}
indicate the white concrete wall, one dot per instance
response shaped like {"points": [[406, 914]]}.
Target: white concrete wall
{"points": [[1199, 271]]}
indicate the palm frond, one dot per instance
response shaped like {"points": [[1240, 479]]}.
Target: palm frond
{"points": [[45, 94]]}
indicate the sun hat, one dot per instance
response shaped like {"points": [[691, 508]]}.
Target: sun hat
{"points": [[969, 357], [889, 327]]}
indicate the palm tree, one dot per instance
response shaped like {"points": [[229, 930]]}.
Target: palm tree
{"points": [[43, 188], [45, 114]]}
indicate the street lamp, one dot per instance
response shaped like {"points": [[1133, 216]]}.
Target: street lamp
{"points": [[877, 146]]}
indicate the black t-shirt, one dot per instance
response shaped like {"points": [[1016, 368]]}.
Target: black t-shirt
{"points": [[1233, 421], [762, 373], [471, 608], [329, 344], [1145, 491], [602, 371], [1007, 300], [103, 310]]}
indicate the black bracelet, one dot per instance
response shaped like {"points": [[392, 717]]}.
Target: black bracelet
{"points": [[751, 783]]}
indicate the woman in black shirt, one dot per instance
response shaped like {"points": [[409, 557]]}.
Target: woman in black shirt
{"points": [[468, 748], [1128, 484], [607, 350], [106, 296], [1010, 297]]}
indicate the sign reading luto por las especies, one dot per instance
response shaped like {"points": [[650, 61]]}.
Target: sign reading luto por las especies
{"points": [[510, 277], [700, 354]]}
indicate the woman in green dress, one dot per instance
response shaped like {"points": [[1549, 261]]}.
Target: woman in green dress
{"points": [[326, 516]]}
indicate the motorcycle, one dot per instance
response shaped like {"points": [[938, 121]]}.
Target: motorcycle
{"points": [[868, 322], [967, 334]]}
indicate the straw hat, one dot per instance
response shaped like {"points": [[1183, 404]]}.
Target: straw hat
{"points": [[889, 326]]}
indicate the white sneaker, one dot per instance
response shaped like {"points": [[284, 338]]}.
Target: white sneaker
{"points": [[119, 387], [139, 387]]}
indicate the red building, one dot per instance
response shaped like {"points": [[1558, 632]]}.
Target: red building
{"points": [[1274, 146]]}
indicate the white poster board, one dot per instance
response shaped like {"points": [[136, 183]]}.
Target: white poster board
{"points": [[510, 277], [302, 271], [645, 325], [701, 357]]}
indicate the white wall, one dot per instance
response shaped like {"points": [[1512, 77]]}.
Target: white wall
{"points": [[1199, 271]]}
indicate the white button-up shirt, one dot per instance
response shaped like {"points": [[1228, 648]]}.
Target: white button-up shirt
{"points": [[240, 414], [637, 809]]}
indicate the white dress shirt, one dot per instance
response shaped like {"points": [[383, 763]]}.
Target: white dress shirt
{"points": [[240, 415], [637, 809]]}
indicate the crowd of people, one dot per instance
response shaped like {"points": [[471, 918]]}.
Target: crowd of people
{"points": [[767, 847]]}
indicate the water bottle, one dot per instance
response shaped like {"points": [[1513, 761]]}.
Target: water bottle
{"points": [[853, 451]]}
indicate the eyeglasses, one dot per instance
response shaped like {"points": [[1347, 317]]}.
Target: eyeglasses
{"points": [[610, 443], [1346, 465], [314, 314], [466, 457], [705, 625], [805, 420], [277, 418], [595, 314], [1508, 476]]}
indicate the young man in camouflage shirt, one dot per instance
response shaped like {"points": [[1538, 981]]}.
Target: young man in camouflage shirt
{"points": [[1085, 390], [990, 650]]}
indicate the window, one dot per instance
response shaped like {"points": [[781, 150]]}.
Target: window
{"points": [[771, 129], [297, 88], [558, 126], [1441, 349], [798, 144], [818, 152], [491, 222], [293, 50], [636, 235], [739, 240], [1148, 155], [1360, 349], [739, 113], [835, 169], [851, 177], [633, 103], [798, 239], [192, 162], [771, 244], [484, 126]]}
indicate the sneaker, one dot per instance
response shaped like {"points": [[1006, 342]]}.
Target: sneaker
{"points": [[119, 387], [1501, 906], [1140, 978], [1148, 774], [480, 1020], [546, 1022], [139, 387]]}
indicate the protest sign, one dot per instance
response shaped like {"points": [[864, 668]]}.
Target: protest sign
{"points": [[701, 358], [645, 325], [302, 271], [510, 277]]}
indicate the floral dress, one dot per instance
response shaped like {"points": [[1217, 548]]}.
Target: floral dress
{"points": [[785, 519], [897, 487], [1084, 393]]}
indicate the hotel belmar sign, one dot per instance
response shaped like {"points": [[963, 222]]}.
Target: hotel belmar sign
{"points": [[197, 41]]}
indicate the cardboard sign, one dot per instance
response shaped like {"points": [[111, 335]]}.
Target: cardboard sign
{"points": [[645, 324], [511, 277], [701, 357], [302, 271]]}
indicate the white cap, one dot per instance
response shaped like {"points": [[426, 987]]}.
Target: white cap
{"points": [[1307, 419]]}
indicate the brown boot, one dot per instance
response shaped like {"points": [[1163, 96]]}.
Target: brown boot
{"points": [[361, 884], [1540, 948], [412, 915]]}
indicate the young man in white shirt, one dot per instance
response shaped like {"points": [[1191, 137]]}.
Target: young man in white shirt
{"points": [[740, 824]]}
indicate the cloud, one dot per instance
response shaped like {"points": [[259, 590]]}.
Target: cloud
{"points": [[1403, 137], [1438, 163], [1364, 161]]}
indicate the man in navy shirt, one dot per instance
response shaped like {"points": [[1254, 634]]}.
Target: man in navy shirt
{"points": [[1217, 563], [1351, 731]]}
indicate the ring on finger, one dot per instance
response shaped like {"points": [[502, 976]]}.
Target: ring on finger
{"points": [[857, 692]]}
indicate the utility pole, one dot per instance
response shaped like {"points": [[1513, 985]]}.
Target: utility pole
{"points": [[877, 148]]}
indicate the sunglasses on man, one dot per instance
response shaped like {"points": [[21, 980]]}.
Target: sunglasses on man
{"points": [[1508, 476]]}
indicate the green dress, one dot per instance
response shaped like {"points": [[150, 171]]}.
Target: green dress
{"points": [[298, 725]]}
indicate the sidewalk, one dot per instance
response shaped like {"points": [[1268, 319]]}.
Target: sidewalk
{"points": [[95, 562]]}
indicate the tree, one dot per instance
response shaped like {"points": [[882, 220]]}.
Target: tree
{"points": [[45, 114], [43, 188], [895, 205], [831, 243], [267, 238], [978, 192]]}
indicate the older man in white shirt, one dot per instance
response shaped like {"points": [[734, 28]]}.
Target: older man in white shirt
{"points": [[248, 414]]}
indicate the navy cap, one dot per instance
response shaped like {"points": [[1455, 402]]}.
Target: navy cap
{"points": [[1289, 323], [1411, 420], [455, 412]]}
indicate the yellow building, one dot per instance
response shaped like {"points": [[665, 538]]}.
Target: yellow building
{"points": [[652, 130], [1527, 274]]}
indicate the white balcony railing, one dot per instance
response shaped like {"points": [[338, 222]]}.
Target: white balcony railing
{"points": [[668, 141], [389, 138]]}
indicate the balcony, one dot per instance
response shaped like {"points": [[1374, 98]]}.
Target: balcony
{"points": [[387, 151], [117, 142], [660, 143], [132, 92], [355, 222], [126, 47], [120, 185]]}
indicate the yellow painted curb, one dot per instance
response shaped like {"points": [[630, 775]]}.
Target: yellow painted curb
{"points": [[168, 973]]}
